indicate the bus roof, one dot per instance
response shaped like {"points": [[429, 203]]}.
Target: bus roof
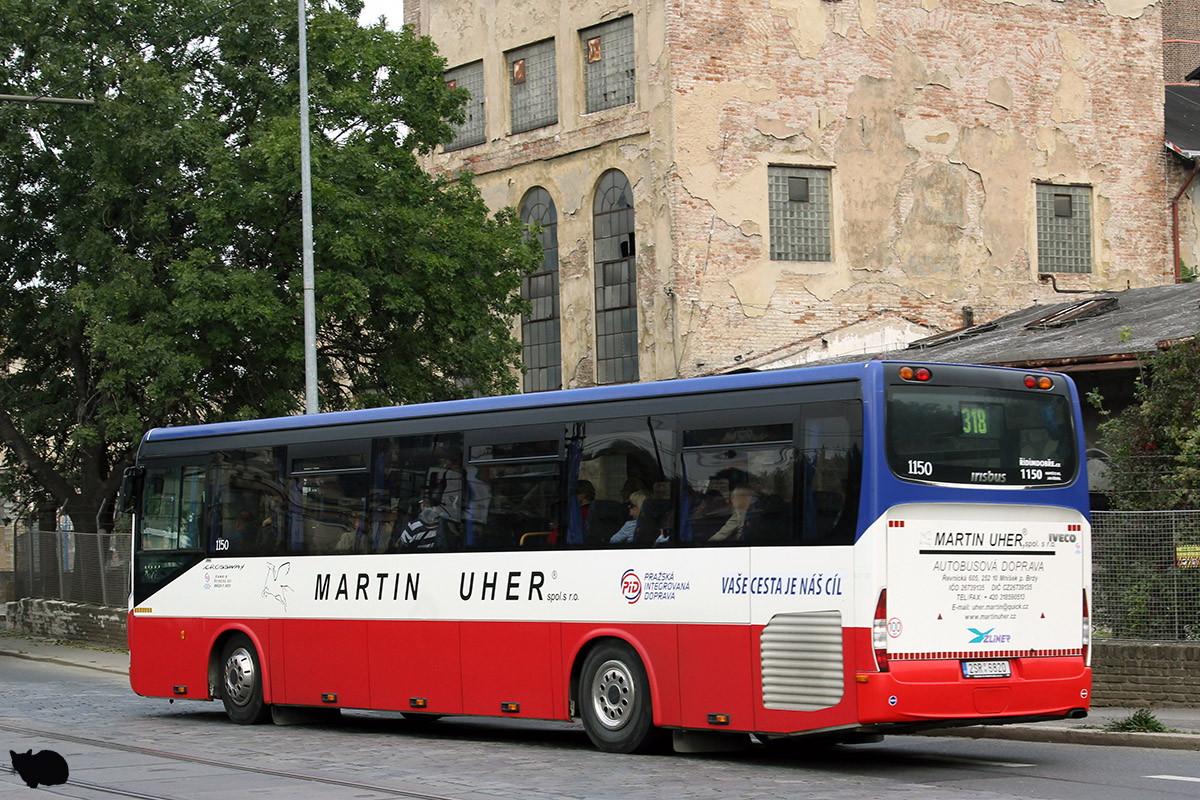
{"points": [[480, 405]]}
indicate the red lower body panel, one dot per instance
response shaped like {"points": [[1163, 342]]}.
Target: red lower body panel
{"points": [[473, 668]]}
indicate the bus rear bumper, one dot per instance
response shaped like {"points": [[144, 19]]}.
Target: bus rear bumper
{"points": [[936, 693]]}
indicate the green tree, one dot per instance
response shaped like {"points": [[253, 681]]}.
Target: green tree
{"points": [[150, 244], [1154, 444]]}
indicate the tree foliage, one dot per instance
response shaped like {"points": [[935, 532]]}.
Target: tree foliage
{"points": [[1154, 444], [150, 244]]}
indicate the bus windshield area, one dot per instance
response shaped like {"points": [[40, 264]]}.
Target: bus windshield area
{"points": [[974, 436]]}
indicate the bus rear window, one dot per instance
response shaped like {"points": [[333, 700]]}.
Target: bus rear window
{"points": [[980, 436]]}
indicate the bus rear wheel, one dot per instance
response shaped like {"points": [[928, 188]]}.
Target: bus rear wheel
{"points": [[241, 681], [615, 704]]}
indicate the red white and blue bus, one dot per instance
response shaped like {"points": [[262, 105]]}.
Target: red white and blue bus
{"points": [[844, 550]]}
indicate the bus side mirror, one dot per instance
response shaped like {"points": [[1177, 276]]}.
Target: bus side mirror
{"points": [[131, 489]]}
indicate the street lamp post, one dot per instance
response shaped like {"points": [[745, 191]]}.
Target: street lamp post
{"points": [[310, 312]]}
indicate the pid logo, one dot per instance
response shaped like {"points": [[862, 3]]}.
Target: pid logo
{"points": [[631, 586]]}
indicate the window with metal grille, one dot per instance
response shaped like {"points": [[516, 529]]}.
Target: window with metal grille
{"points": [[608, 64], [541, 344], [533, 79], [1064, 228], [473, 129], [798, 204], [616, 281]]}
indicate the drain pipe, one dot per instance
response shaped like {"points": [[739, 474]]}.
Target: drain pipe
{"points": [[1175, 215]]}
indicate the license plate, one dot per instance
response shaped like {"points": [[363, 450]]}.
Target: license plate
{"points": [[986, 669]]}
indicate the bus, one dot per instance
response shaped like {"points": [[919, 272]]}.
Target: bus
{"points": [[841, 551]]}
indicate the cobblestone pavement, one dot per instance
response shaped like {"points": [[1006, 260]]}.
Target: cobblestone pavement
{"points": [[461, 759]]}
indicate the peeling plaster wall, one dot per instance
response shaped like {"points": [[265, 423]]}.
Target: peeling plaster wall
{"points": [[937, 120], [936, 117], [569, 158]]}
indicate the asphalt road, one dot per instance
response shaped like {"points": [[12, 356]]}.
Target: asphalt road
{"points": [[118, 744]]}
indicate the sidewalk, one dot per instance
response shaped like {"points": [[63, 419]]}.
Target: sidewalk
{"points": [[1090, 730]]}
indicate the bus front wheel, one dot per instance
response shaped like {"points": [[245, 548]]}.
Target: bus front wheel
{"points": [[615, 701], [241, 681]]}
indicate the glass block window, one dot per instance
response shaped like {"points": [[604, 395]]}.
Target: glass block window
{"points": [[1064, 228], [541, 347], [798, 203], [473, 129], [533, 90], [616, 281], [608, 64]]}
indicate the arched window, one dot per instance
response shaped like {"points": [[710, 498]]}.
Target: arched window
{"points": [[616, 281], [541, 347]]}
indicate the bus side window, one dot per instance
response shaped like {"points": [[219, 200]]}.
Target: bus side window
{"points": [[513, 494], [623, 463], [831, 452], [249, 501], [417, 494], [173, 508], [739, 485]]}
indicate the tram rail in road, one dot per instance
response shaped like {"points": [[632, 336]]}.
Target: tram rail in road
{"points": [[109, 790]]}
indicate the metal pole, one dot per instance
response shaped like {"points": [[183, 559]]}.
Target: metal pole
{"points": [[310, 312], [62, 101], [101, 552]]}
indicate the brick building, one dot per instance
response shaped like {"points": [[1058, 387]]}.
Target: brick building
{"points": [[776, 181]]}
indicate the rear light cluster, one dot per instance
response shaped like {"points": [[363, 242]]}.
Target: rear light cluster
{"points": [[879, 632], [1039, 382], [921, 374]]}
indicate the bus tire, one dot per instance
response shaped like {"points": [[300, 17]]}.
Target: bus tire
{"points": [[241, 682], [615, 701]]}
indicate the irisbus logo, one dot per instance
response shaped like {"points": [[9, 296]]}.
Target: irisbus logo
{"points": [[631, 586]]}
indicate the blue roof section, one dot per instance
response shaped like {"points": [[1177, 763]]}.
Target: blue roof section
{"points": [[480, 405]]}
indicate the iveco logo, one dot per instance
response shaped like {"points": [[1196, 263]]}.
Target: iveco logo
{"points": [[1062, 537]]}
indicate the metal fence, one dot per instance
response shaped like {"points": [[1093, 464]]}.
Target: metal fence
{"points": [[72, 566], [1146, 575]]}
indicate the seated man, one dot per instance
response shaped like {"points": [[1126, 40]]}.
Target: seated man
{"points": [[739, 501]]}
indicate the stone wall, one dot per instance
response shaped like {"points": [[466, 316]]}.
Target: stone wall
{"points": [[1146, 674], [101, 626]]}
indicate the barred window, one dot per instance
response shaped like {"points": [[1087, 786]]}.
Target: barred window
{"points": [[616, 281], [798, 203], [533, 79], [1064, 228], [608, 64], [473, 129], [541, 344]]}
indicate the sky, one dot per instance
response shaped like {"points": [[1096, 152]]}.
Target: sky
{"points": [[392, 9]]}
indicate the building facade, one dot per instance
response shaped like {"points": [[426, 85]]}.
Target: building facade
{"points": [[770, 182]]}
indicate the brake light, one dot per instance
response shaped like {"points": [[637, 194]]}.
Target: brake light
{"points": [[879, 632], [1039, 382], [1087, 629]]}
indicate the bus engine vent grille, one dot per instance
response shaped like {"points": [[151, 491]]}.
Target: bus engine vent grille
{"points": [[802, 661]]}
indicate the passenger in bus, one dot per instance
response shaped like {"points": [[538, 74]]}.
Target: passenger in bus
{"points": [[422, 532], [739, 502], [627, 531]]}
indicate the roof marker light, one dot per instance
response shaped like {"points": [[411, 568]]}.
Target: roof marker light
{"points": [[915, 374]]}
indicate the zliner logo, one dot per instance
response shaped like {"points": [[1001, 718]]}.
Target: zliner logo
{"points": [[631, 586], [986, 637]]}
